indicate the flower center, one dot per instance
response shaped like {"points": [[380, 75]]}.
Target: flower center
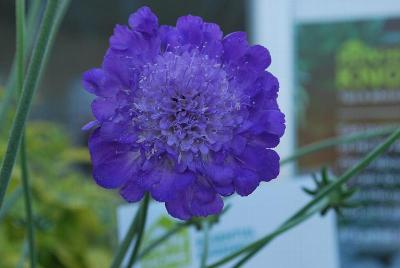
{"points": [[183, 101]]}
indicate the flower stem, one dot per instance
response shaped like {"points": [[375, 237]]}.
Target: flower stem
{"points": [[32, 24], [130, 235], [140, 231], [301, 214], [178, 227], [204, 256], [28, 204], [29, 88], [10, 201], [20, 69], [327, 143], [283, 228]]}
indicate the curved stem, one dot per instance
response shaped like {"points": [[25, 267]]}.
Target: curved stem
{"points": [[32, 23], [129, 236], [140, 232], [327, 143], [283, 228], [28, 92], [20, 69], [178, 227], [28, 204], [299, 216], [10, 201]]}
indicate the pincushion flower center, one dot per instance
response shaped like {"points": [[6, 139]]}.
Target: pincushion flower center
{"points": [[184, 101]]}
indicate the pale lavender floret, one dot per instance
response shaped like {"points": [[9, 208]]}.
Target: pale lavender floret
{"points": [[183, 113]]}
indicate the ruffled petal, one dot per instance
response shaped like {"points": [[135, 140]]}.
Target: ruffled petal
{"points": [[144, 20], [268, 121], [257, 57], [246, 182], [212, 32], [120, 132], [113, 164], [169, 37], [121, 38], [166, 183], [235, 45], [190, 29], [103, 109], [206, 202], [98, 82], [197, 201], [132, 191], [264, 162], [179, 209]]}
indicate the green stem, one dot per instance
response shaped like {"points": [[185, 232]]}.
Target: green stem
{"points": [[28, 92], [20, 69], [62, 9], [371, 156], [140, 232], [178, 227], [20, 43], [126, 242], [10, 201], [283, 228], [28, 204], [204, 256], [32, 25], [299, 216], [327, 143]]}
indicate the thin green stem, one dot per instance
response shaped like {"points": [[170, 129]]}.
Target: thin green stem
{"points": [[20, 69], [61, 11], [352, 171], [178, 227], [28, 92], [10, 201], [204, 256], [327, 143], [140, 232], [20, 43], [299, 216], [287, 225], [32, 25], [126, 242], [28, 204]]}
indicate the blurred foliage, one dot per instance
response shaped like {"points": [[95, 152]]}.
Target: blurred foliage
{"points": [[74, 219]]}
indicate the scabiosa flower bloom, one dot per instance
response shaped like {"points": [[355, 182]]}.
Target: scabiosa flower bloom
{"points": [[183, 113]]}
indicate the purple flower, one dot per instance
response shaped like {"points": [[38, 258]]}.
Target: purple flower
{"points": [[183, 113]]}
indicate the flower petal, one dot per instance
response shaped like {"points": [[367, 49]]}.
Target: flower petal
{"points": [[178, 208], [98, 82], [103, 108], [121, 38], [113, 163], [264, 162], [132, 191], [168, 183], [144, 20], [191, 29], [235, 45], [246, 182], [197, 201]]}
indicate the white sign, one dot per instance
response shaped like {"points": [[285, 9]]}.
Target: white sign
{"points": [[309, 245]]}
